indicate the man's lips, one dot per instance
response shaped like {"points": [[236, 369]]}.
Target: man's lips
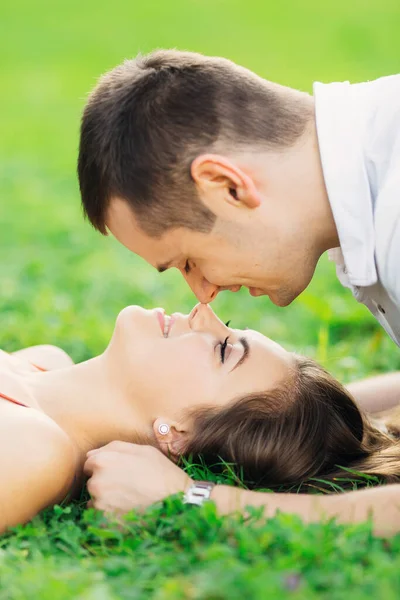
{"points": [[235, 288], [256, 292]]}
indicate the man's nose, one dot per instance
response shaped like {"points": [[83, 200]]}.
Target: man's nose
{"points": [[204, 291]]}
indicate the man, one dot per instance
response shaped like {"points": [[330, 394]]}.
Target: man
{"points": [[196, 163]]}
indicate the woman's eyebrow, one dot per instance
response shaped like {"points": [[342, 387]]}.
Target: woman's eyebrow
{"points": [[246, 353]]}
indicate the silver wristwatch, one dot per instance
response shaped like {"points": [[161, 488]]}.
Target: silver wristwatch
{"points": [[199, 492]]}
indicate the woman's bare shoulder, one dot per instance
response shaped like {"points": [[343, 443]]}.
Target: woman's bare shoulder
{"points": [[38, 463], [45, 356], [29, 429]]}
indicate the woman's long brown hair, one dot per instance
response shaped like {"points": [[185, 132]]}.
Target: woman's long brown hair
{"points": [[306, 429]]}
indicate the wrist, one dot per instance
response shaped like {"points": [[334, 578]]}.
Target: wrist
{"points": [[199, 492], [228, 499], [188, 481]]}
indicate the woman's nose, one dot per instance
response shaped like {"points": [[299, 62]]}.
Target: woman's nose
{"points": [[203, 319]]}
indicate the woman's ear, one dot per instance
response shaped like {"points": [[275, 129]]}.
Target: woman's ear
{"points": [[172, 437]]}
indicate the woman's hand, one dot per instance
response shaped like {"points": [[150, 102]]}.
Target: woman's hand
{"points": [[124, 476]]}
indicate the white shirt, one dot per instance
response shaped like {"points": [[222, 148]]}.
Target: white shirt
{"points": [[358, 129]]}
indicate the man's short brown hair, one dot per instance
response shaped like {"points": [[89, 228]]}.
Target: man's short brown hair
{"points": [[148, 119]]}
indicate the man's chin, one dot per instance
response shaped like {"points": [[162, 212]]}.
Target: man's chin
{"points": [[282, 298]]}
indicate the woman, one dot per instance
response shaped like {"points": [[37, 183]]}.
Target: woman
{"points": [[187, 385]]}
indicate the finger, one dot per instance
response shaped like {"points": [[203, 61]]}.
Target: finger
{"points": [[94, 489], [104, 507], [98, 461], [90, 466], [91, 452], [100, 450]]}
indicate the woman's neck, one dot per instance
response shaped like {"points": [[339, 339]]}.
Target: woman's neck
{"points": [[89, 403]]}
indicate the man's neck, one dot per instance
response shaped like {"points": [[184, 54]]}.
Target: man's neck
{"points": [[325, 230], [308, 195]]}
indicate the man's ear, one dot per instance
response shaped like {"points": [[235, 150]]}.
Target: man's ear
{"points": [[218, 178], [171, 437]]}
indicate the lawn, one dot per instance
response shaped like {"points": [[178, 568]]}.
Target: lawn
{"points": [[62, 283]]}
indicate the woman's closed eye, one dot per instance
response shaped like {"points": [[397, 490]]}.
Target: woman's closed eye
{"points": [[225, 350]]}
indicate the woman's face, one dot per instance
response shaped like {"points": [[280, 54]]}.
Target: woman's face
{"points": [[181, 362]]}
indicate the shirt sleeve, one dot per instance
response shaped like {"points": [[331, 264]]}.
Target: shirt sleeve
{"points": [[387, 231]]}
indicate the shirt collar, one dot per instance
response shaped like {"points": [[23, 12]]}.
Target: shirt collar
{"points": [[340, 134]]}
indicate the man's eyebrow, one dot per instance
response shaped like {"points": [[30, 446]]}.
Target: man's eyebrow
{"points": [[245, 355], [164, 266]]}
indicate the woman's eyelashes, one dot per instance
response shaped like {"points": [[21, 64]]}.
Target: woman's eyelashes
{"points": [[223, 349]]}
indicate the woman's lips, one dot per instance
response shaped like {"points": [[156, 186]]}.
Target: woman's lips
{"points": [[161, 317], [165, 321]]}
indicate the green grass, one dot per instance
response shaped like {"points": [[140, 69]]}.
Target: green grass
{"points": [[62, 283], [174, 552]]}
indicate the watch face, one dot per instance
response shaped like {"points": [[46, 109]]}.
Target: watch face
{"points": [[198, 492]]}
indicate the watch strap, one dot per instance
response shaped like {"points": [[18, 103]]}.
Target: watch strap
{"points": [[199, 492]]}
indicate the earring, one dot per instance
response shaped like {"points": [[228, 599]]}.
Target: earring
{"points": [[163, 429]]}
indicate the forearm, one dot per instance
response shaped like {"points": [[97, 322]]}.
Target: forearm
{"points": [[378, 393], [382, 504]]}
